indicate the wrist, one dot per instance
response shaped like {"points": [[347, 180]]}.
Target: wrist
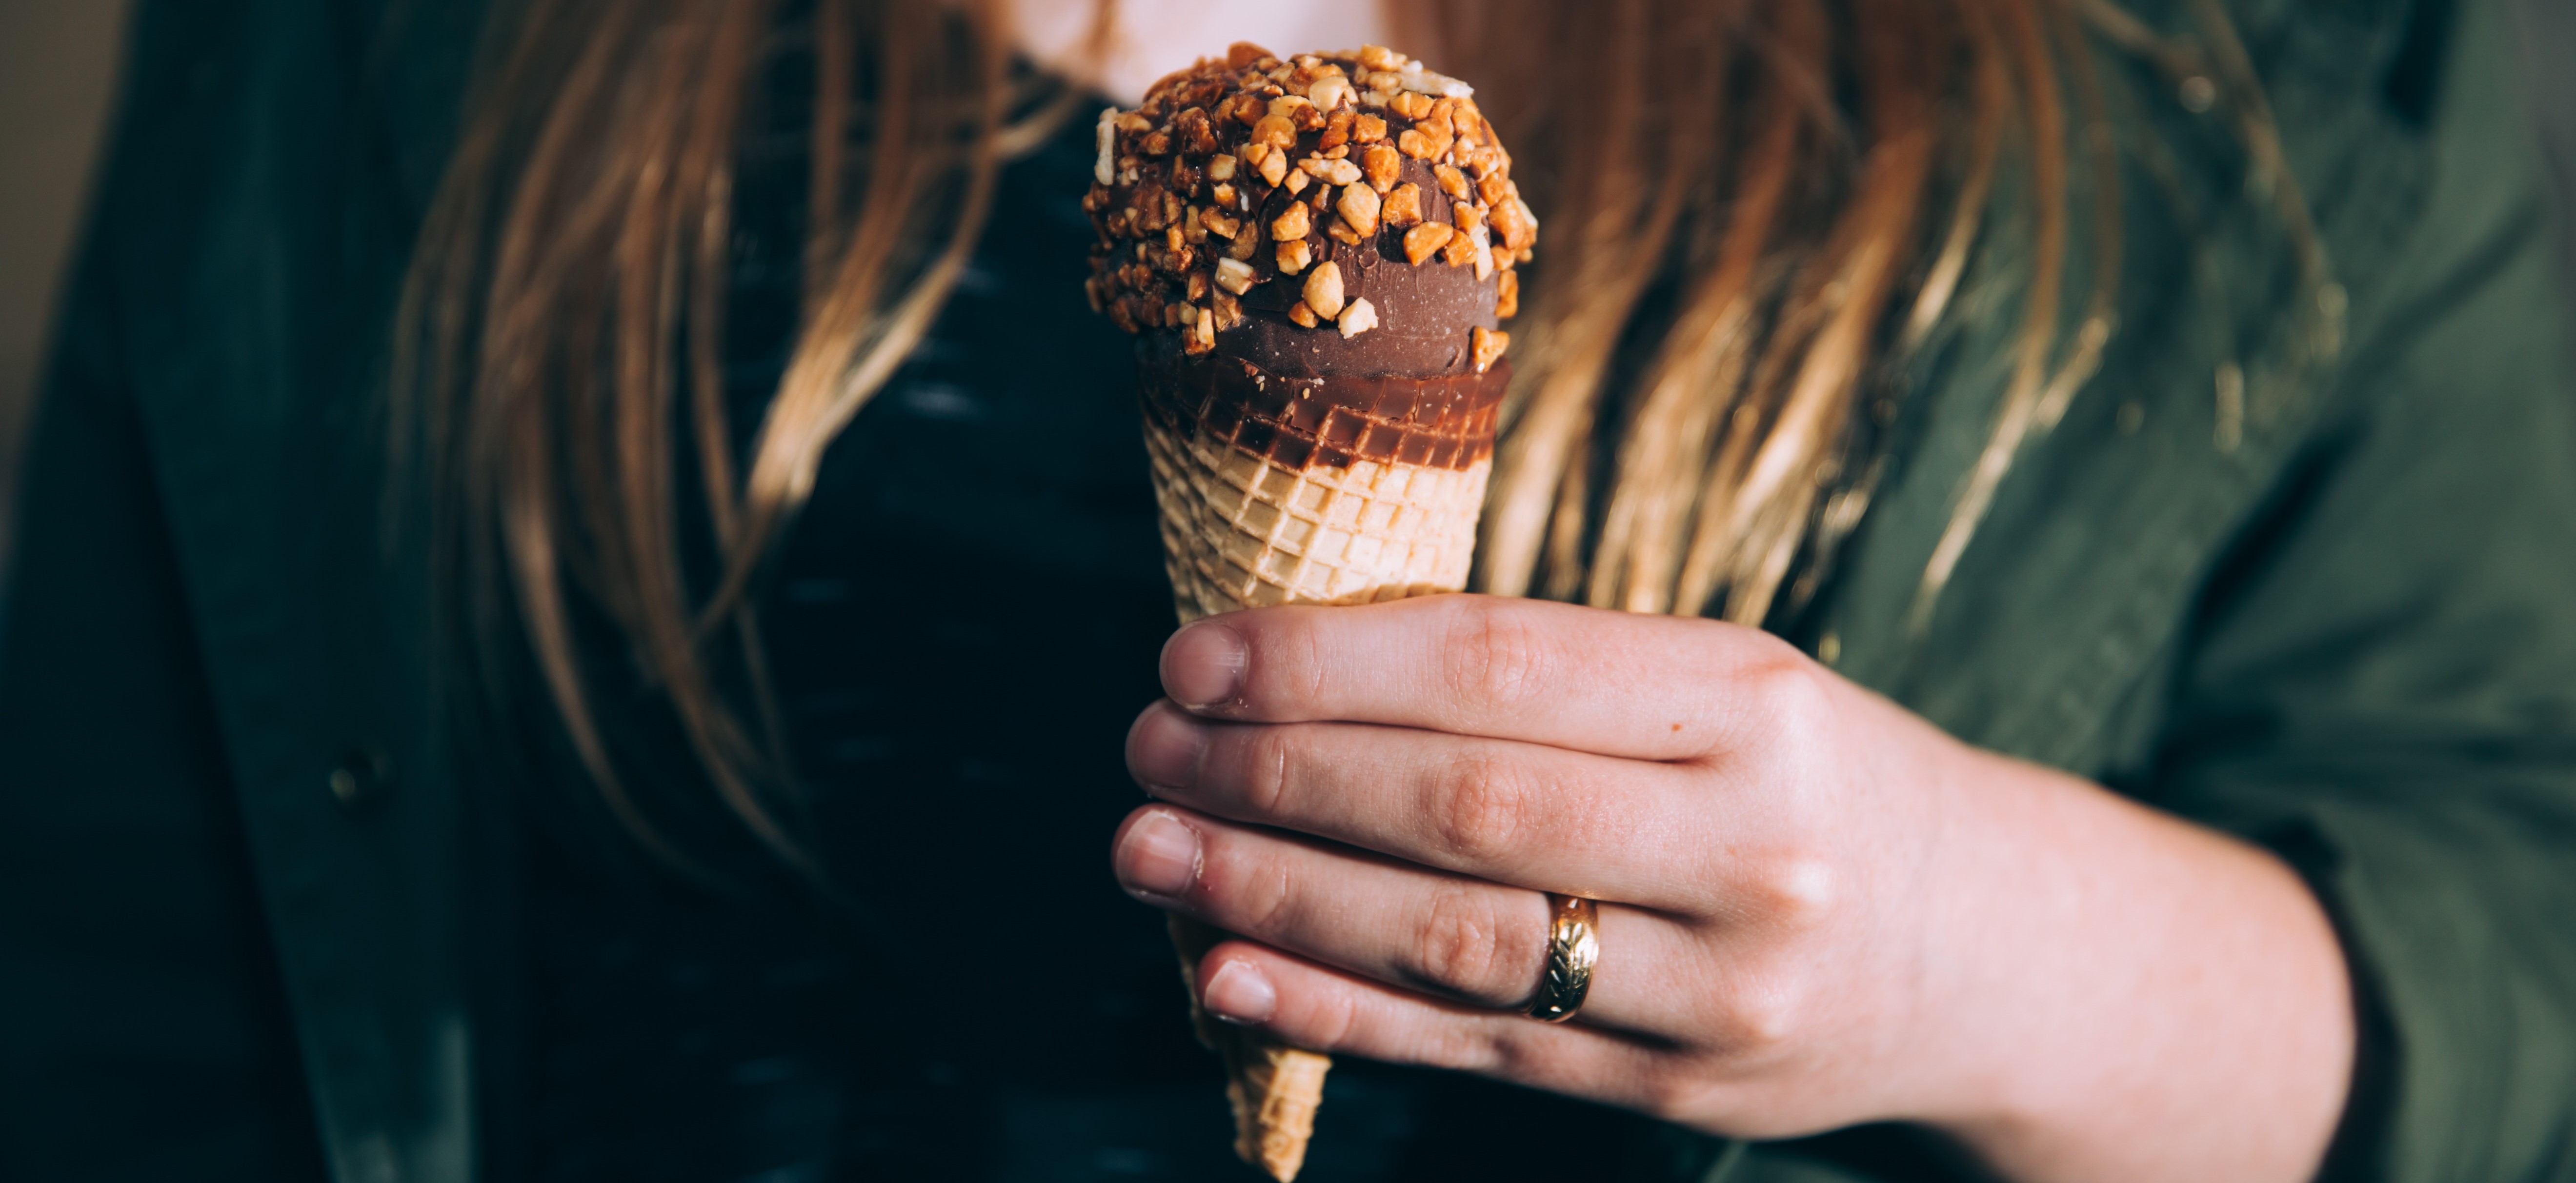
{"points": [[2126, 995]]}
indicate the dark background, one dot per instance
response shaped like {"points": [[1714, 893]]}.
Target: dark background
{"points": [[57, 75]]}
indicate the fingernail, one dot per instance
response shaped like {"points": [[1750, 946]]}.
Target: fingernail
{"points": [[1203, 665], [1164, 751], [1160, 856], [1240, 993]]}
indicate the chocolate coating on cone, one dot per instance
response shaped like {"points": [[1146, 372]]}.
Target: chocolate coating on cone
{"points": [[1354, 156], [1440, 421]]}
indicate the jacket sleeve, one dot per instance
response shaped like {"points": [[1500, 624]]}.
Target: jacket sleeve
{"points": [[2382, 684]]}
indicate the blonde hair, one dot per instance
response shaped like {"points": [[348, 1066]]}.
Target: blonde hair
{"points": [[1753, 205]]}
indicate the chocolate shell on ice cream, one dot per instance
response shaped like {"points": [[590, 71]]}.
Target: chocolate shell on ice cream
{"points": [[1317, 254]]}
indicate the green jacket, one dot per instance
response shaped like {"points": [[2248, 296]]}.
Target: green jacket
{"points": [[2324, 600]]}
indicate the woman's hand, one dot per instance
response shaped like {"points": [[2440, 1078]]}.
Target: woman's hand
{"points": [[1816, 909]]}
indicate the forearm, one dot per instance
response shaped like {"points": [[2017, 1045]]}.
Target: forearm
{"points": [[2171, 1003]]}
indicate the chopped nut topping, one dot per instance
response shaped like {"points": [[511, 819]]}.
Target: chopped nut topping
{"points": [[1299, 111], [1437, 134], [1293, 255], [1519, 229], [1359, 207], [1421, 241], [1234, 275], [1338, 172], [1383, 165], [1276, 131], [1359, 318], [1487, 346], [1403, 206], [1294, 223], [1187, 189], [1323, 290], [1337, 132], [1105, 136], [1459, 252], [1192, 128]]}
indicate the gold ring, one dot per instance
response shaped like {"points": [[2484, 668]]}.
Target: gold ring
{"points": [[1573, 944]]}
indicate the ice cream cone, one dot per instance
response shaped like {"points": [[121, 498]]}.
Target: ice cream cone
{"points": [[1256, 512], [1315, 254]]}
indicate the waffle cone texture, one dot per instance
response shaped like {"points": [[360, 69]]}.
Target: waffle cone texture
{"points": [[1242, 530]]}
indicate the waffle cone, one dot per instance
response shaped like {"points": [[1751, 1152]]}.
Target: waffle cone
{"points": [[1322, 377], [1241, 531]]}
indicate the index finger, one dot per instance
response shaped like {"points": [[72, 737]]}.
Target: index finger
{"points": [[1613, 683]]}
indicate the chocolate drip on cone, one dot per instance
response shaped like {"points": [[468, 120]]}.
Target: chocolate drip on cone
{"points": [[1442, 421]]}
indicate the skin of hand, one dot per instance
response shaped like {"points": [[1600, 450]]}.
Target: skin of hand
{"points": [[1816, 909]]}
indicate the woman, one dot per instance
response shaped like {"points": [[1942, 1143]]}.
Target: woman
{"points": [[2160, 400]]}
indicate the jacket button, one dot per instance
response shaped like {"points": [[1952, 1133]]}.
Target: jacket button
{"points": [[360, 777]]}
